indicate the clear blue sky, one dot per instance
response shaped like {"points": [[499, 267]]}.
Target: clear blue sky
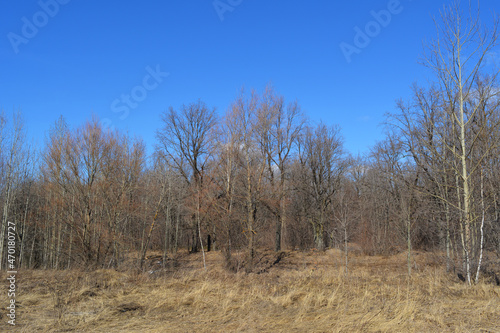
{"points": [[85, 55]]}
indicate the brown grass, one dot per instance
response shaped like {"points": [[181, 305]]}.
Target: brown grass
{"points": [[303, 292]]}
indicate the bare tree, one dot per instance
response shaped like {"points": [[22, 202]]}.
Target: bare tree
{"points": [[243, 118], [226, 171], [278, 128], [13, 158], [185, 142], [457, 56], [90, 175], [323, 165]]}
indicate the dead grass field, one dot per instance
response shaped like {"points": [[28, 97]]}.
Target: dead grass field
{"points": [[303, 292]]}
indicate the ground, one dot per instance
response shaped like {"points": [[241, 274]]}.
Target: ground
{"points": [[287, 292]]}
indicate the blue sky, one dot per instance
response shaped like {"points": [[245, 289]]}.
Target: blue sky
{"points": [[75, 58]]}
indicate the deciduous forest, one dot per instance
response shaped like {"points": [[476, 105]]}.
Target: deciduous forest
{"points": [[261, 176], [256, 218]]}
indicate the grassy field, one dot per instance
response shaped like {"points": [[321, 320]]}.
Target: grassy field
{"points": [[301, 292]]}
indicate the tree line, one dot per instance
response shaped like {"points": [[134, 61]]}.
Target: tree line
{"points": [[263, 176]]}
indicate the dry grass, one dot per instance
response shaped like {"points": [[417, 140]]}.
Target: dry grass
{"points": [[304, 292]]}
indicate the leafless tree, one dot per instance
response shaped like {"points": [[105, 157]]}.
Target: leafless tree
{"points": [[456, 57], [14, 158], [278, 129], [186, 143], [323, 165]]}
